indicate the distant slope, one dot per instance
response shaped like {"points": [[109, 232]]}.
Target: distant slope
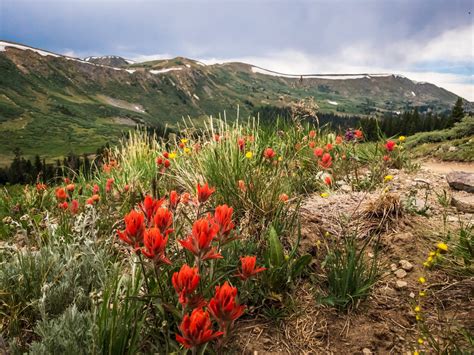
{"points": [[52, 104]]}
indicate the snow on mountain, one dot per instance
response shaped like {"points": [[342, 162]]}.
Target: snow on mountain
{"points": [[160, 71], [4, 45]]}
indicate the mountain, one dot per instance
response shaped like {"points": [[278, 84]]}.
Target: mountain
{"points": [[109, 60], [52, 104]]}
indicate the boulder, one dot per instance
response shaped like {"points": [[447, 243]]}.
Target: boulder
{"points": [[460, 180], [463, 203]]}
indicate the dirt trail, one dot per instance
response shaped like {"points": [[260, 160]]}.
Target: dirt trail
{"points": [[445, 167]]}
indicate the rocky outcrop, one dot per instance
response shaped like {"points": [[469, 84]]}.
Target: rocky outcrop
{"points": [[460, 180]]}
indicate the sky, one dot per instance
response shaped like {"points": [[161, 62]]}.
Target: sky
{"points": [[425, 40]]}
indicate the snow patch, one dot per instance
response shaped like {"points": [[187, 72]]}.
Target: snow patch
{"points": [[3, 45], [413, 93], [196, 97], [188, 66], [131, 71], [318, 76], [332, 103], [164, 70], [138, 108]]}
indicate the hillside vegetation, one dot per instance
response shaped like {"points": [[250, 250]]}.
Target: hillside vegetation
{"points": [[52, 105]]}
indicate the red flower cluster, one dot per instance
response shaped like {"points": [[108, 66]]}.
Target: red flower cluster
{"points": [[390, 145], [155, 244], [248, 267], [224, 307], [200, 241], [134, 229], [269, 153], [196, 329], [163, 161], [204, 192], [326, 161], [185, 282]]}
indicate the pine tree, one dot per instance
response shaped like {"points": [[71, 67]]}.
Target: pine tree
{"points": [[458, 111]]}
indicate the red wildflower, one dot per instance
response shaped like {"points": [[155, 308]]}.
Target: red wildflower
{"points": [[181, 145], [173, 200], [199, 242], [163, 219], [166, 155], [96, 189], [297, 146], [241, 143], [223, 218], [70, 187], [61, 194], [217, 137], [134, 228], [223, 306], [328, 180], [390, 145], [204, 192], [108, 184], [185, 197], [150, 206], [312, 134], [358, 133], [269, 153], [338, 139], [67, 180], [248, 267], [185, 282], [40, 187], [95, 198], [63, 205], [283, 197], [329, 147], [326, 161], [312, 144], [126, 188], [318, 152], [242, 187], [74, 208], [167, 163], [386, 158], [155, 244], [159, 161], [196, 329]]}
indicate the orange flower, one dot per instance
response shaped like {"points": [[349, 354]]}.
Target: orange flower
{"points": [[242, 187], [70, 187], [155, 244], [196, 329], [185, 197], [326, 161], [173, 200], [63, 205], [283, 197], [338, 140], [217, 137], [224, 307], [163, 219], [108, 184], [204, 192], [241, 144], [61, 194], [40, 187], [386, 158], [358, 133], [95, 198], [96, 189], [248, 267], [185, 282], [297, 146], [390, 145], [269, 153], [312, 134], [199, 242], [74, 208], [329, 147], [150, 206], [312, 144], [223, 218], [318, 152], [134, 229]]}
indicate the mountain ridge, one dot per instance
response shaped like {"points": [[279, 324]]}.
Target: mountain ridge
{"points": [[70, 104]]}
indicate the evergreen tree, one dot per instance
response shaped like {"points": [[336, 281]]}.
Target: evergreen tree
{"points": [[458, 111]]}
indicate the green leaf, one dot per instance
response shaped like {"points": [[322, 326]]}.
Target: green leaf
{"points": [[300, 264], [275, 251]]}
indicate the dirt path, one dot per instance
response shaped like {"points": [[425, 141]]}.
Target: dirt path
{"points": [[444, 167]]}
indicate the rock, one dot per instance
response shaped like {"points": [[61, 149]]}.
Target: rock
{"points": [[460, 180], [346, 188], [463, 203], [406, 237], [452, 149], [412, 295], [366, 351], [453, 218], [405, 265], [400, 273], [393, 267], [401, 284]]}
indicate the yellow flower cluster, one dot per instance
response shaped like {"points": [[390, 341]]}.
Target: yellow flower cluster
{"points": [[388, 178], [441, 248]]}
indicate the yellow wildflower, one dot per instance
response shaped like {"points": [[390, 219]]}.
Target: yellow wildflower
{"points": [[421, 280], [416, 352], [418, 317], [184, 140], [187, 150], [430, 259], [326, 234], [426, 264], [420, 341], [442, 247], [172, 155], [388, 178], [432, 253], [280, 158], [402, 138], [249, 155], [422, 293], [417, 309], [324, 195]]}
